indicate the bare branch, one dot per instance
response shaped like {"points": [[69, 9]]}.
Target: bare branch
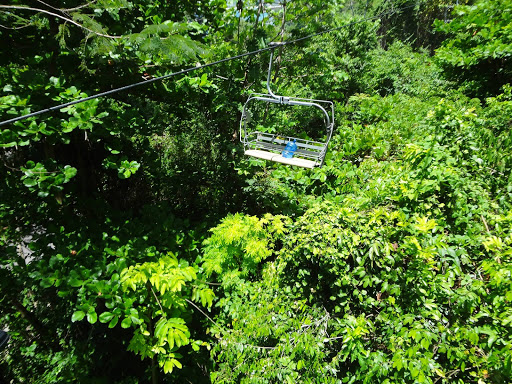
{"points": [[200, 310], [14, 28], [225, 330], [79, 7], [60, 17], [154, 294], [485, 223], [48, 5]]}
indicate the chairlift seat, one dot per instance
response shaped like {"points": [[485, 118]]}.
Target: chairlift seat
{"points": [[269, 147], [264, 145], [272, 156]]}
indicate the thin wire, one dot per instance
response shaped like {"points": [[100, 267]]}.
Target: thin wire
{"points": [[149, 81]]}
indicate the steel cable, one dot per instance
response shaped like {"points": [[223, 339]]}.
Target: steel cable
{"points": [[160, 78]]}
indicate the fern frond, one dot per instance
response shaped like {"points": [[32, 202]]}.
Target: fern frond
{"points": [[61, 35], [112, 4], [88, 22]]}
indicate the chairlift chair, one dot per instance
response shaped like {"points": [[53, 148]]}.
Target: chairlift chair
{"points": [[269, 146]]}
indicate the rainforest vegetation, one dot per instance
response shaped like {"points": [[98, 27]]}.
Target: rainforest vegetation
{"points": [[139, 245]]}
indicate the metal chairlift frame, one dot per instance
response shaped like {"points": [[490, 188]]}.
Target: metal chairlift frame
{"points": [[309, 153]]}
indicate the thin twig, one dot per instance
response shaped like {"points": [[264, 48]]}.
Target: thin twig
{"points": [[485, 223], [80, 6], [12, 168], [227, 331], [200, 310], [49, 6], [60, 17], [452, 373], [333, 338], [35, 173], [252, 346], [14, 28], [494, 171], [156, 298]]}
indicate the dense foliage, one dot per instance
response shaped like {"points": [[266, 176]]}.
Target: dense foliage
{"points": [[137, 244]]}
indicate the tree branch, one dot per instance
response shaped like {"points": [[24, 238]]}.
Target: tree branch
{"points": [[485, 223], [80, 6], [148, 285], [49, 6], [15, 28], [60, 17], [200, 310]]}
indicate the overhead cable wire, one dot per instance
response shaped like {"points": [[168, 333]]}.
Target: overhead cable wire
{"points": [[160, 78]]}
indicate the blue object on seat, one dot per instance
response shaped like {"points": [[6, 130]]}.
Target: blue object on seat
{"points": [[289, 149]]}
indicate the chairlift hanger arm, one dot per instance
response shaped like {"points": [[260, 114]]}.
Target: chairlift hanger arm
{"points": [[273, 46], [286, 100]]}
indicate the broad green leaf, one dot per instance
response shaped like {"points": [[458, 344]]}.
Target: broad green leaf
{"points": [[105, 317], [77, 316], [92, 317], [126, 323], [113, 322]]}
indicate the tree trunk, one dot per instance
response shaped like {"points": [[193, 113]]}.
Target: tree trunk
{"points": [[46, 337]]}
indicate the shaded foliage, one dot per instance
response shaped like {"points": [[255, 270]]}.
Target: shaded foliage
{"points": [[477, 52], [390, 264]]}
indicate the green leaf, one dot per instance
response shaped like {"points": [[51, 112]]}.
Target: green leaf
{"points": [[92, 317], [75, 282], [113, 322], [491, 339], [29, 182], [204, 80], [161, 327], [77, 316], [105, 317], [126, 323], [414, 371], [69, 172], [168, 366]]}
